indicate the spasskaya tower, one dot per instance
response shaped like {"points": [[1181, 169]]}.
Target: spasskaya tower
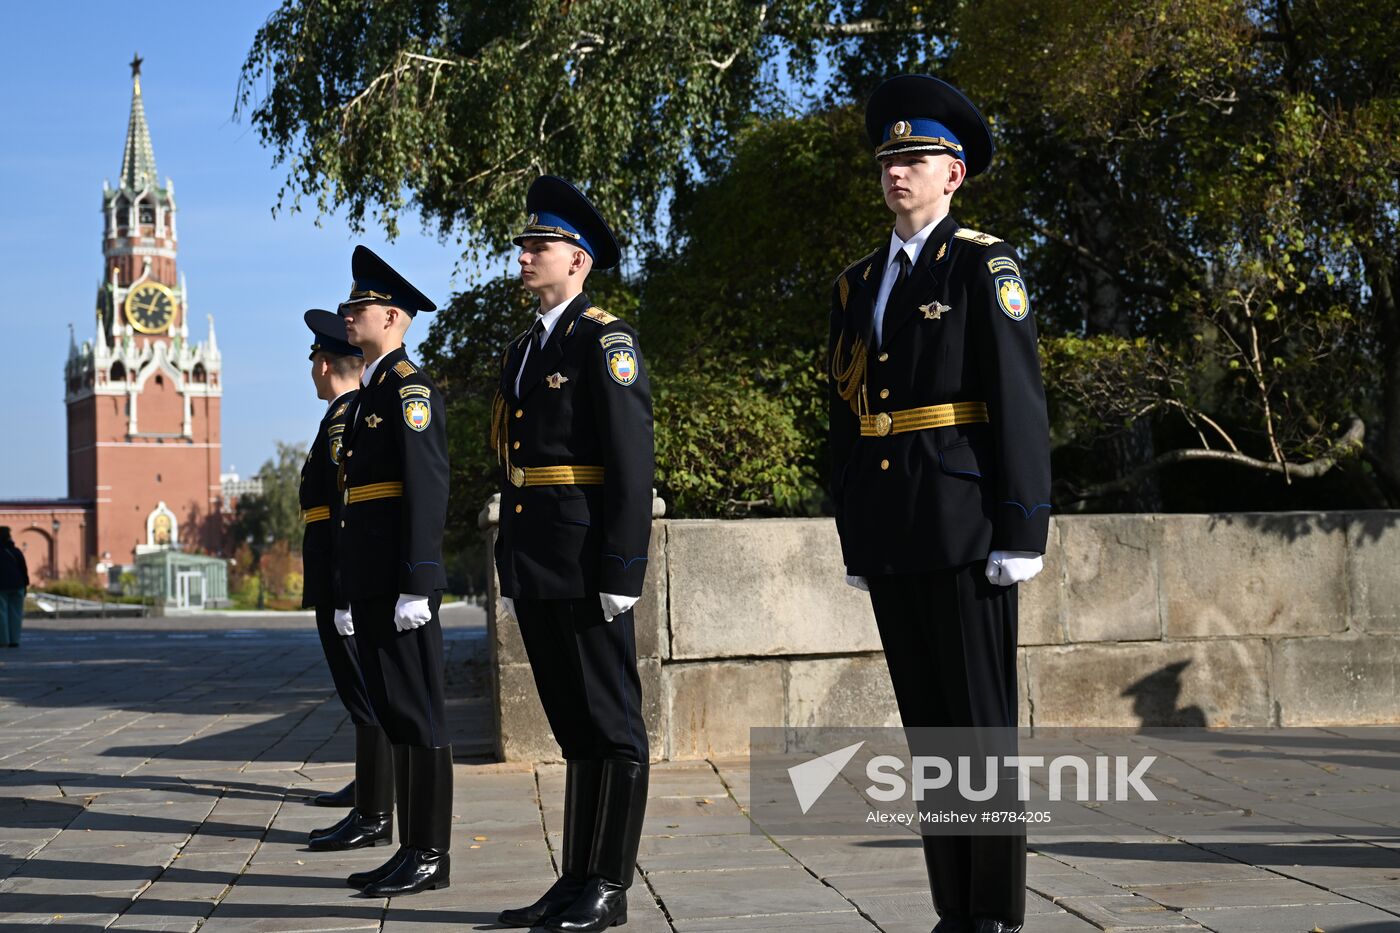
{"points": [[142, 397]]}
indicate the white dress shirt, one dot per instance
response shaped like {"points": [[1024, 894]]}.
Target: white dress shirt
{"points": [[548, 319], [911, 248]]}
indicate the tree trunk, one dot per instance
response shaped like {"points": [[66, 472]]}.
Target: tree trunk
{"points": [[1105, 313], [1382, 279]]}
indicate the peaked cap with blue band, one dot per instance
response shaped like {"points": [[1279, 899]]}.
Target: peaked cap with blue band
{"points": [[560, 211], [377, 282], [921, 113], [329, 329]]}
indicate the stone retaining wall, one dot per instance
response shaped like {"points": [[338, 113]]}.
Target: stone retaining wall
{"points": [[1223, 620]]}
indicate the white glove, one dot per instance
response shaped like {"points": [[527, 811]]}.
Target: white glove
{"points": [[859, 583], [343, 623], [1007, 567], [509, 605], [411, 612], [614, 606]]}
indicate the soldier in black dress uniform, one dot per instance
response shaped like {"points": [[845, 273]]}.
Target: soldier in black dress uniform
{"points": [[335, 370], [393, 481], [573, 430], [941, 459]]}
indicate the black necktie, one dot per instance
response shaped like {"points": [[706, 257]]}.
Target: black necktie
{"points": [[901, 275]]}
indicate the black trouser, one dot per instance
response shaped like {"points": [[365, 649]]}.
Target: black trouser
{"points": [[403, 671], [950, 644], [586, 672], [344, 662]]}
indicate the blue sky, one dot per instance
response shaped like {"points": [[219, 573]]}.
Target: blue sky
{"points": [[65, 97]]}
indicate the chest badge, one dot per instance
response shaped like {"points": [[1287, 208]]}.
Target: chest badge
{"points": [[373, 421], [556, 380], [933, 311]]}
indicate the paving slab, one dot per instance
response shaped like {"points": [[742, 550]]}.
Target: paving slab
{"points": [[143, 790]]}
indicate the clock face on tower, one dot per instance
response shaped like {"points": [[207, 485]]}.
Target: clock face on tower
{"points": [[150, 308]]}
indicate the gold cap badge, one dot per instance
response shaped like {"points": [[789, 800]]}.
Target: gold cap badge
{"points": [[900, 129]]}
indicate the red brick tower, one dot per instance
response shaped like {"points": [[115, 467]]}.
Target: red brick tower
{"points": [[143, 401]]}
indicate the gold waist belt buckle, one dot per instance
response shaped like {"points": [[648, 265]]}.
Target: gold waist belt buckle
{"points": [[320, 513], [373, 491], [921, 419], [556, 476]]}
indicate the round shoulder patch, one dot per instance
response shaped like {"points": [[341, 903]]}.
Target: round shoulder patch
{"points": [[1011, 295], [622, 365]]}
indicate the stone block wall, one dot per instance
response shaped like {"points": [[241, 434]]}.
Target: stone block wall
{"points": [[1219, 620]]}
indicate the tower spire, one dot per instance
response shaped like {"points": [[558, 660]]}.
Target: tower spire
{"points": [[138, 158]]}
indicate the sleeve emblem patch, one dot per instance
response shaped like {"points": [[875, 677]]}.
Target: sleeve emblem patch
{"points": [[1003, 264], [1011, 295], [608, 341], [416, 414], [414, 392], [622, 366], [335, 440]]}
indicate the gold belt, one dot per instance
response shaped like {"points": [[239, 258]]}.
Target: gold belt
{"points": [[921, 419], [320, 513], [556, 476], [390, 490]]}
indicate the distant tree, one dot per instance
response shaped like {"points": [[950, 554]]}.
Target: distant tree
{"points": [[275, 514], [1205, 192], [452, 107]]}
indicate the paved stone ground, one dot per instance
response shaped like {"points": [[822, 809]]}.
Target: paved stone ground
{"points": [[153, 773]]}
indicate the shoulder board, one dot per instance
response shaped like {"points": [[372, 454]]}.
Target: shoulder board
{"points": [[975, 236], [851, 268], [843, 285], [404, 368], [341, 410], [599, 315]]}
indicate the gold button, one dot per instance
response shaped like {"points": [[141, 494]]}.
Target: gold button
{"points": [[884, 464], [519, 508], [884, 393], [515, 446], [520, 413], [884, 357], [349, 453]]}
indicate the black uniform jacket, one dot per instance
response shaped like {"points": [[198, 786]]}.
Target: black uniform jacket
{"points": [[584, 400], [396, 451], [320, 504], [959, 330]]}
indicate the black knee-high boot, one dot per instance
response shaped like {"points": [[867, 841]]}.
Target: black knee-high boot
{"points": [[581, 783], [403, 794], [369, 823], [426, 864], [613, 862]]}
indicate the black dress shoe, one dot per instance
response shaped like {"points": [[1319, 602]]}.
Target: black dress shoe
{"points": [[356, 831], [345, 797], [362, 879], [951, 923], [420, 870], [559, 898], [602, 904]]}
